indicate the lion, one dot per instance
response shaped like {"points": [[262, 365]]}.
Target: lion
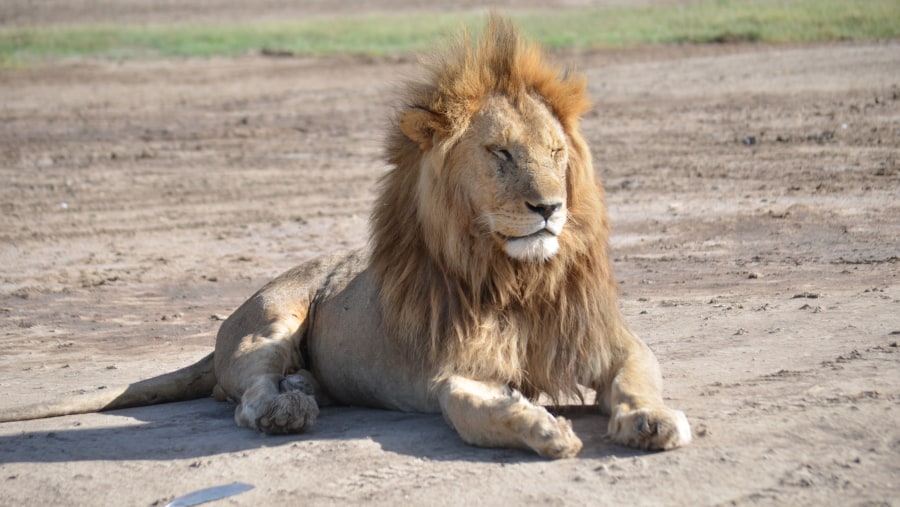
{"points": [[487, 281]]}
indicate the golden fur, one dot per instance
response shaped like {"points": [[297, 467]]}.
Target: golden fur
{"points": [[488, 278], [475, 310]]}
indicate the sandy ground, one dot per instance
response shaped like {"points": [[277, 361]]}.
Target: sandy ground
{"points": [[754, 195]]}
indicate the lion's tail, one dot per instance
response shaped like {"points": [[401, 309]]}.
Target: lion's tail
{"points": [[192, 382]]}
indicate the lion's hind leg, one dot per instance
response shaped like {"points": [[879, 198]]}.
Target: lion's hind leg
{"points": [[260, 371], [278, 405], [491, 414]]}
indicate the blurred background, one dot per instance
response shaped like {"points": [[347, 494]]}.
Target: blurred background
{"points": [[122, 29]]}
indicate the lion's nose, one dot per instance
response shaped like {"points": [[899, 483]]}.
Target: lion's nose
{"points": [[545, 210]]}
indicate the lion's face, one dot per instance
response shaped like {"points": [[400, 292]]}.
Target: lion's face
{"points": [[511, 166]]}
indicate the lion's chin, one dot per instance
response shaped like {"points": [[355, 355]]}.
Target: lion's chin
{"points": [[537, 247]]}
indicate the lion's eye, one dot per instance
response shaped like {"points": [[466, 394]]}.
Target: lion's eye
{"points": [[502, 153], [556, 152]]}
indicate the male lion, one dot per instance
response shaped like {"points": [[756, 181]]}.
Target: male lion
{"points": [[488, 281]]}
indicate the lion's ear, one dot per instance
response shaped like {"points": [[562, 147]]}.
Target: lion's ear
{"points": [[421, 125]]}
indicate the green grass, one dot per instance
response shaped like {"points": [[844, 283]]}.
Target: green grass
{"points": [[700, 22]]}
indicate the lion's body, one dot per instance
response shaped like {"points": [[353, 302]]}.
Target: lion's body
{"points": [[487, 283], [346, 348]]}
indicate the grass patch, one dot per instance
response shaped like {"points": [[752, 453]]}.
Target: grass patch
{"points": [[702, 22]]}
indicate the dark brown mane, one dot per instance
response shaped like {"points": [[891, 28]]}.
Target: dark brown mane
{"points": [[542, 327]]}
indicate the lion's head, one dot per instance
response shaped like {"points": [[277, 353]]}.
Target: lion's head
{"points": [[507, 174], [490, 230]]}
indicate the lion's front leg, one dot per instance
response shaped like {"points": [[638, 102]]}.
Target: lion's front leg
{"points": [[490, 414], [638, 415], [259, 371]]}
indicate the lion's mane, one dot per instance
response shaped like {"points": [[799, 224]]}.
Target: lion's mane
{"points": [[453, 300]]}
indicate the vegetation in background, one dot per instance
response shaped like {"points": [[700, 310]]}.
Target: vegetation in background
{"points": [[700, 22]]}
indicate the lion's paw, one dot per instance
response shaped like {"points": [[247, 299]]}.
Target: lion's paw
{"points": [[651, 428], [557, 439], [292, 410]]}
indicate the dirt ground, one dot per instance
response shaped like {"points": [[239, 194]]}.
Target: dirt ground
{"points": [[754, 196]]}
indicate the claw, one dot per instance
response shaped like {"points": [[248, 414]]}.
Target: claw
{"points": [[296, 382], [643, 425]]}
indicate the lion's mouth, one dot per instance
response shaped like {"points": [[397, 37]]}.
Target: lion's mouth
{"points": [[543, 233], [535, 247]]}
